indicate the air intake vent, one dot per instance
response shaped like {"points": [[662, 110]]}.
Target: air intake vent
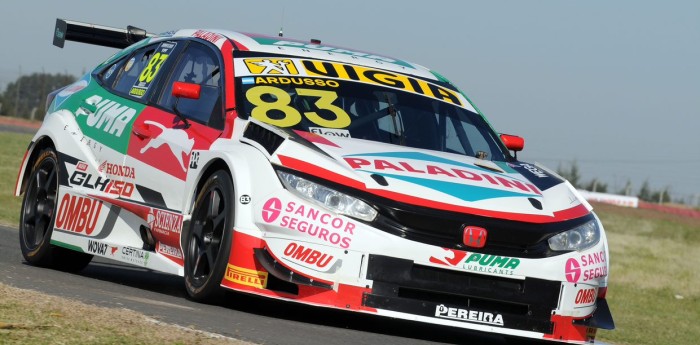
{"points": [[266, 138]]}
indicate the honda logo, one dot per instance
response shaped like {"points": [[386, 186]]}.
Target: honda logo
{"points": [[474, 236]]}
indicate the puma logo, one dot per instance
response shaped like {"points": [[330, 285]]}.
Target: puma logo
{"points": [[176, 139]]}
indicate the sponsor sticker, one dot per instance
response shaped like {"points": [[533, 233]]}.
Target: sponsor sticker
{"points": [[271, 66], [585, 297], [169, 250], [135, 256], [111, 117], [244, 276], [308, 220], [208, 36], [149, 72], [468, 315], [95, 247], [461, 180], [194, 160], [129, 64], [586, 267], [78, 214], [493, 264], [164, 222], [330, 132], [116, 170], [107, 185], [309, 257], [328, 72]]}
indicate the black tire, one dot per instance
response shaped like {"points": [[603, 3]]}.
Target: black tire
{"points": [[207, 241], [37, 218]]}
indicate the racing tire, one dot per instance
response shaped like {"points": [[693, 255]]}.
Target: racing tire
{"points": [[207, 241], [37, 219]]}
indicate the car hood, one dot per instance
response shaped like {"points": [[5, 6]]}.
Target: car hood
{"points": [[433, 179]]}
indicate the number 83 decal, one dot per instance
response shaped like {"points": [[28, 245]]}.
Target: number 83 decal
{"points": [[282, 102]]}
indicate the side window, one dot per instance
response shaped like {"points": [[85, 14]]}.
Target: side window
{"points": [[137, 74], [109, 75], [198, 65]]}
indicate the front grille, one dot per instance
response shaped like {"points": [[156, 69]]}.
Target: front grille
{"points": [[445, 229], [402, 286]]}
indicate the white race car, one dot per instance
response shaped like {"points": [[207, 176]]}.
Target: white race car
{"points": [[310, 173]]}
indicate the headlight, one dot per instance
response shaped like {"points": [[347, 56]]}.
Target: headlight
{"points": [[328, 198], [579, 238]]}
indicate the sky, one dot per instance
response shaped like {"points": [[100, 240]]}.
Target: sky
{"points": [[610, 84]]}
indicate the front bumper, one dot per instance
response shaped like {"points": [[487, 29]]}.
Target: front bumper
{"points": [[402, 286]]}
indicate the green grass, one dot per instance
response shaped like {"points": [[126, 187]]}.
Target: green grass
{"points": [[12, 148], [654, 288]]}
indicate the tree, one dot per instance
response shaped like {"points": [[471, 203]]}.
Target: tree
{"points": [[596, 186], [627, 189], [572, 174], [28, 93], [661, 196], [645, 192]]}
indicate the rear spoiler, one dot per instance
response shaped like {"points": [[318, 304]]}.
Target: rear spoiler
{"points": [[97, 34]]}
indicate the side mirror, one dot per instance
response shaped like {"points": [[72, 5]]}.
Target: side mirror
{"points": [[186, 90], [513, 142]]}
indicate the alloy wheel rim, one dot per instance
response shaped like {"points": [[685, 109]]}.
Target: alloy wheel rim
{"points": [[209, 222], [40, 202]]}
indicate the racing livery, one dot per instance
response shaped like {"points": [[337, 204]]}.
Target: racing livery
{"points": [[310, 173]]}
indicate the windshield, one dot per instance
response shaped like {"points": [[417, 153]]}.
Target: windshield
{"points": [[348, 101]]}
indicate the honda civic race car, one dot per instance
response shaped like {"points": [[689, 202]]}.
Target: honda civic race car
{"points": [[310, 173]]}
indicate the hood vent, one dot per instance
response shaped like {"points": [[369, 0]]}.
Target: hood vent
{"points": [[535, 203], [380, 179], [266, 138]]}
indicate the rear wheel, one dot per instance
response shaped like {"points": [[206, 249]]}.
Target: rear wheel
{"points": [[208, 239], [37, 218]]}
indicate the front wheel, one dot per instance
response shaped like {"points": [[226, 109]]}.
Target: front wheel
{"points": [[37, 217], [207, 241]]}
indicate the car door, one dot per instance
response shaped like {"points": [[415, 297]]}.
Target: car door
{"points": [[162, 145]]}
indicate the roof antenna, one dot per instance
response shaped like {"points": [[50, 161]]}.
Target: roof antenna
{"points": [[281, 34]]}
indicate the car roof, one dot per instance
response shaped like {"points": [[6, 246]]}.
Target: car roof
{"points": [[306, 49]]}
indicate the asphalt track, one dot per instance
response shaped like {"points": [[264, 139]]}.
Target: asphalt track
{"points": [[255, 319]]}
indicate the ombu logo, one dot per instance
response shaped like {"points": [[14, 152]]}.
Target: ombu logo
{"points": [[308, 256], [474, 236], [78, 214], [585, 296], [246, 277], [271, 66]]}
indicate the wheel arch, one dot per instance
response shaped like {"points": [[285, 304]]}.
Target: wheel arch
{"points": [[33, 152]]}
